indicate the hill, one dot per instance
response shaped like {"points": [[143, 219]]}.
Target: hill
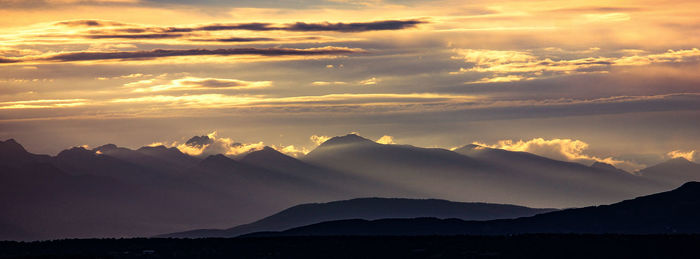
{"points": [[368, 208]]}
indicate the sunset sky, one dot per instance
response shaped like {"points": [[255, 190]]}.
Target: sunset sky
{"points": [[611, 81]]}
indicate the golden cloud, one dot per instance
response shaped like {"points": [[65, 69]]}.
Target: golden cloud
{"points": [[510, 66], [195, 83], [561, 149], [386, 139], [688, 155], [35, 104], [318, 140]]}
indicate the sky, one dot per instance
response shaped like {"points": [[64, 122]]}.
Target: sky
{"points": [[585, 81]]}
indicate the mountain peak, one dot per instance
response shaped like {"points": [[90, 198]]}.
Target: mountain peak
{"points": [[218, 158], [106, 148], [266, 155], [347, 139], [675, 162], [153, 148], [471, 147], [265, 151], [12, 152], [679, 160], [76, 152], [11, 145], [601, 165], [693, 185], [198, 141]]}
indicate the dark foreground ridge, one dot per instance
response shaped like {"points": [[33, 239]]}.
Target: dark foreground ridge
{"points": [[671, 212], [519, 246], [368, 208]]}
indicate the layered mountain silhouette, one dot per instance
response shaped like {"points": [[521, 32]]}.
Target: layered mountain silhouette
{"points": [[481, 174], [673, 172], [112, 191], [367, 208], [117, 192], [669, 212]]}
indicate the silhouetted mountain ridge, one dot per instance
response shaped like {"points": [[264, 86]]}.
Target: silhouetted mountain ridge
{"points": [[113, 191], [14, 154], [347, 139], [674, 211], [673, 172], [368, 208]]}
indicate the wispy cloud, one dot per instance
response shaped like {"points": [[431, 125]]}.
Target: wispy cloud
{"points": [[194, 83], [512, 65], [35, 104], [162, 53], [89, 23]]}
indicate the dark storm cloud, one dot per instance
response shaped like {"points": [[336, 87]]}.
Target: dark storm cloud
{"points": [[157, 53]]}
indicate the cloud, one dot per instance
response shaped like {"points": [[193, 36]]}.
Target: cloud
{"points": [[689, 155], [291, 150], [134, 36], [499, 79], [238, 39], [160, 53], [30, 4], [35, 104], [324, 83], [561, 149], [292, 27], [355, 27], [88, 23], [596, 9], [201, 141], [369, 81], [318, 140], [386, 139], [134, 75], [195, 83], [511, 65], [211, 144], [8, 60], [223, 101]]}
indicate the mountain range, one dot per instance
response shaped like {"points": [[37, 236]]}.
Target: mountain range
{"points": [[672, 212], [367, 208], [111, 191]]}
